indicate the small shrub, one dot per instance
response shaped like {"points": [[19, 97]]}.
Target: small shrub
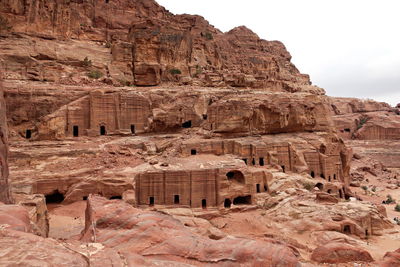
{"points": [[389, 199], [308, 186], [363, 120], [108, 44], [86, 62], [4, 25], [364, 187], [175, 71], [373, 189], [397, 208], [208, 36], [95, 74]]}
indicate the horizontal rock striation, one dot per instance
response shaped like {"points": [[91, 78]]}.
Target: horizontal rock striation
{"points": [[138, 43]]}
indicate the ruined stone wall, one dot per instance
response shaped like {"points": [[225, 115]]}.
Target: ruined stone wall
{"points": [[187, 188], [117, 112], [197, 188], [204, 185], [365, 119], [134, 111], [255, 153], [103, 111], [378, 132], [78, 117], [290, 157]]}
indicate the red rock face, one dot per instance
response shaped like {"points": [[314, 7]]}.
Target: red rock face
{"points": [[336, 252], [15, 217], [29, 250], [128, 230], [4, 184], [207, 135], [391, 259], [365, 119], [143, 44]]}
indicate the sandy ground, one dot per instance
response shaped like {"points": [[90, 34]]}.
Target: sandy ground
{"points": [[379, 245]]}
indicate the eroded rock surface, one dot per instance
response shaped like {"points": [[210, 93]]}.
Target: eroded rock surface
{"points": [[153, 235], [204, 148], [339, 253], [141, 43]]}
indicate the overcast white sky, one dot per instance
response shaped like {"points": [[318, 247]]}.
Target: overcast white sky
{"points": [[349, 47]]}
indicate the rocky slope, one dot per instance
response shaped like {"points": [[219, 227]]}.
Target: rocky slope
{"points": [[366, 119], [140, 43], [143, 138]]}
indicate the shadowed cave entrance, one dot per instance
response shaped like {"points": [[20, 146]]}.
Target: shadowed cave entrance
{"points": [[132, 128], [28, 134], [235, 176], [103, 130], [227, 203], [176, 199], [151, 201], [204, 203], [319, 186], [55, 197], [242, 200], [187, 124], [75, 131]]}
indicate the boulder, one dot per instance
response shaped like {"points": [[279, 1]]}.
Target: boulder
{"points": [[336, 252]]}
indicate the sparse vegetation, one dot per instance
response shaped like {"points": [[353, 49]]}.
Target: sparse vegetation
{"points": [[175, 71], [108, 44], [4, 25], [95, 74], [389, 199], [363, 120], [208, 36], [308, 186], [365, 188], [86, 62], [397, 208], [373, 189]]}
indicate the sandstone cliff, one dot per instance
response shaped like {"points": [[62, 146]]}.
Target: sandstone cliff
{"points": [[366, 119], [138, 42], [191, 137]]}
